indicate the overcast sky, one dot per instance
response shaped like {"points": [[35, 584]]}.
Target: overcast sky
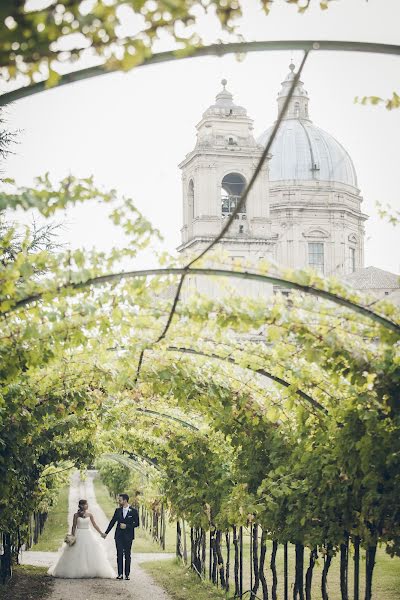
{"points": [[131, 130]]}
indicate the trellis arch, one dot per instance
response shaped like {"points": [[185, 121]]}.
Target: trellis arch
{"points": [[211, 50], [260, 371], [380, 319], [214, 272]]}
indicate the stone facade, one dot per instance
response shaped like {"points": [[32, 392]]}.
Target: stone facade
{"points": [[214, 175], [304, 209]]}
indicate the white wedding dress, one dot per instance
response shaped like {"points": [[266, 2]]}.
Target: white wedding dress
{"points": [[85, 559]]}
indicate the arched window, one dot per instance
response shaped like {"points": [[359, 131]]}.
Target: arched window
{"points": [[297, 109], [232, 187], [191, 201]]}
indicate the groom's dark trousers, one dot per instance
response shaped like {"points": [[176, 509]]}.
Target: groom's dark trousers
{"points": [[124, 537], [123, 543]]}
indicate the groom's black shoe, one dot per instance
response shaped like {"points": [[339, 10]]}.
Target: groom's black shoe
{"points": [[120, 577], [127, 578]]}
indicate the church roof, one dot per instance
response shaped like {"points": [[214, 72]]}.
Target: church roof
{"points": [[302, 151], [224, 104], [394, 297], [370, 278]]}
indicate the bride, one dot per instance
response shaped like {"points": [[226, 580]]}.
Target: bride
{"points": [[86, 558]]}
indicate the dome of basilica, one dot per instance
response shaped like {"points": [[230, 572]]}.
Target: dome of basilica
{"points": [[301, 151]]}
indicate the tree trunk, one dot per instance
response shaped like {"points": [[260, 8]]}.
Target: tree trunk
{"points": [[236, 565], [263, 553], [356, 543], [273, 569], [324, 579], [191, 547], [228, 559], [285, 572], [210, 555], [241, 559], [369, 569], [298, 589], [6, 558], [203, 552], [184, 542], [309, 574], [163, 527], [196, 539], [344, 568], [254, 543], [214, 567], [220, 559], [178, 540]]}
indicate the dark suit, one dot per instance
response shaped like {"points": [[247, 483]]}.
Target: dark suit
{"points": [[124, 537]]}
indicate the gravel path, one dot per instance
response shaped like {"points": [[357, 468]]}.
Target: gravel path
{"points": [[140, 587]]}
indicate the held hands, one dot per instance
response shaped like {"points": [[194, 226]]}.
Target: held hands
{"points": [[122, 525], [104, 535]]}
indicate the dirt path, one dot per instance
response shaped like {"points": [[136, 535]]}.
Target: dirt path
{"points": [[140, 587]]}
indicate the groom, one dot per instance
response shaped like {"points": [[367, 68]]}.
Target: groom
{"points": [[127, 518]]}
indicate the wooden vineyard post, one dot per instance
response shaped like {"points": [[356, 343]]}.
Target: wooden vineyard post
{"points": [[178, 540], [236, 562], [369, 569], [228, 558], [273, 569], [5, 558], [344, 568], [241, 560], [185, 557], [163, 527], [356, 543], [210, 557], [203, 552], [285, 572]]}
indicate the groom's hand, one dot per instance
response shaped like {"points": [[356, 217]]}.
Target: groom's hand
{"points": [[104, 535]]}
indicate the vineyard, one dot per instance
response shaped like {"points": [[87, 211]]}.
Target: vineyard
{"points": [[280, 415], [266, 431]]}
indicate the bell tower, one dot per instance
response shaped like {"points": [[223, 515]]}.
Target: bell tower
{"points": [[214, 176]]}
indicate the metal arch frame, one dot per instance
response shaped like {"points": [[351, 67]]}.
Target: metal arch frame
{"points": [[115, 277], [260, 371], [132, 456], [210, 50], [161, 416]]}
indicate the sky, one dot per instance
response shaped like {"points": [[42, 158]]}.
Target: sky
{"points": [[130, 130]]}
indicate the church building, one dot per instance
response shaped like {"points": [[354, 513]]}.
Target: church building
{"points": [[304, 209]]}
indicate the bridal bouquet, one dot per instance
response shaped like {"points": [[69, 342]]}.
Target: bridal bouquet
{"points": [[70, 539]]}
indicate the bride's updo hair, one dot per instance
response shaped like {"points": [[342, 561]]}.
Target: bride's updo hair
{"points": [[81, 504]]}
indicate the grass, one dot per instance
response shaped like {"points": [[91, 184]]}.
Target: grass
{"points": [[143, 542], [27, 583], [56, 525], [103, 497], [179, 582], [386, 578]]}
